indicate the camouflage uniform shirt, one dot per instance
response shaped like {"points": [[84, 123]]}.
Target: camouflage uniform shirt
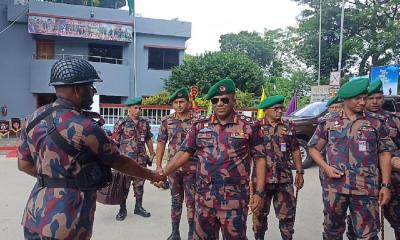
{"points": [[132, 137], [225, 155], [281, 141], [62, 213], [173, 131], [353, 148]]}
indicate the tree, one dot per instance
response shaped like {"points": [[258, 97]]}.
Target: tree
{"points": [[251, 44], [371, 31], [207, 69]]}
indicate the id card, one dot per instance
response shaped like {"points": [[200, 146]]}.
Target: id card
{"points": [[362, 146], [283, 147]]}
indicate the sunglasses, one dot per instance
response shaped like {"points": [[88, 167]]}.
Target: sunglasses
{"points": [[223, 100]]}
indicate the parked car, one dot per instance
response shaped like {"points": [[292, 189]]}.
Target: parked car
{"points": [[305, 121]]}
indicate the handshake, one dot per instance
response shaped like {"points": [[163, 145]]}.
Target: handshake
{"points": [[159, 178]]}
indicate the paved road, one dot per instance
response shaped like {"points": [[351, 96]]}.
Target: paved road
{"points": [[16, 187]]}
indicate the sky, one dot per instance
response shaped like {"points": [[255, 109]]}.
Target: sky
{"points": [[212, 18]]}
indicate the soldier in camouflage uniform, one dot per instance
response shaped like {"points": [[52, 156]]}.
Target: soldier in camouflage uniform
{"points": [[57, 208], [133, 134], [357, 148], [225, 144], [375, 101], [279, 138], [173, 130]]}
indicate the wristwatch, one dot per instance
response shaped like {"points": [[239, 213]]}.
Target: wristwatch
{"points": [[300, 171], [262, 194], [386, 185]]}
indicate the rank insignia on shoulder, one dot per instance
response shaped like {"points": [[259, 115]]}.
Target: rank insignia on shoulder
{"points": [[205, 129]]}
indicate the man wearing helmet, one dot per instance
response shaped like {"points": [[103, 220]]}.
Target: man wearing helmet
{"points": [[70, 155]]}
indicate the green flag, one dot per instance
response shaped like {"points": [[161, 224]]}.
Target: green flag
{"points": [[131, 4]]}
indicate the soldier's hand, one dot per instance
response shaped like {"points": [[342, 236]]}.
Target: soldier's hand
{"points": [[256, 204], [159, 178], [332, 172], [299, 181], [384, 196]]}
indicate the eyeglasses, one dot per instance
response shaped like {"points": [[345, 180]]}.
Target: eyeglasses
{"points": [[223, 100]]}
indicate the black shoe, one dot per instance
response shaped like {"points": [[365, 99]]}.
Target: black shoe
{"points": [[121, 214], [175, 235], [259, 236], [139, 210]]}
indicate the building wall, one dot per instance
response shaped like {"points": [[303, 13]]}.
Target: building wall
{"points": [[22, 75], [16, 55], [151, 81]]}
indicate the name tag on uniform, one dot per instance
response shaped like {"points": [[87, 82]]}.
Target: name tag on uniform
{"points": [[283, 147], [362, 146]]}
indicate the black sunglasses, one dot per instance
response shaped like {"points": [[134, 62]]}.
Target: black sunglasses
{"points": [[216, 100]]}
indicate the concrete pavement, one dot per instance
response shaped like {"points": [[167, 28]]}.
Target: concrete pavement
{"points": [[16, 187]]}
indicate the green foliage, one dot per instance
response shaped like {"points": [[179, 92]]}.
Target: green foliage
{"points": [[251, 44], [371, 33], [201, 102], [207, 69], [245, 99], [160, 98]]}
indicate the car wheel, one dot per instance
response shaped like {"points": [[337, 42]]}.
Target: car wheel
{"points": [[305, 157]]}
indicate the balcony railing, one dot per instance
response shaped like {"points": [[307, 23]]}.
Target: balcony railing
{"points": [[90, 3], [45, 56]]}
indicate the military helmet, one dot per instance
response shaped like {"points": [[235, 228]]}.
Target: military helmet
{"points": [[72, 71]]}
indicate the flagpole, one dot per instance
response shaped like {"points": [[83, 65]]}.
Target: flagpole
{"points": [[134, 51]]}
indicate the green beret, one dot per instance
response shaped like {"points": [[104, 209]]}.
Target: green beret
{"points": [[180, 93], [375, 87], [134, 101], [333, 100], [353, 88], [271, 101], [222, 87]]}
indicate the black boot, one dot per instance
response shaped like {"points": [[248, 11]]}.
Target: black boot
{"points": [[259, 236], [175, 235], [191, 230], [122, 213], [139, 210]]}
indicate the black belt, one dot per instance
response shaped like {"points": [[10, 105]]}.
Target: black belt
{"points": [[45, 181], [225, 181]]}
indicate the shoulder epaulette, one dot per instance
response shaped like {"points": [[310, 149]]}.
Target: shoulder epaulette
{"points": [[201, 119]]}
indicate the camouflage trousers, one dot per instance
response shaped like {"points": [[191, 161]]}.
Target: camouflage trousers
{"points": [[364, 211], [137, 184], [28, 235], [283, 198], [209, 221], [391, 213], [182, 185]]}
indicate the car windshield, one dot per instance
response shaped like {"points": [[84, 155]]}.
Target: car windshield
{"points": [[311, 110]]}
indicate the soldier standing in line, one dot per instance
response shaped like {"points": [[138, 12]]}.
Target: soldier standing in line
{"points": [[375, 101], [70, 155], [279, 138], [226, 144], [133, 134], [357, 167], [173, 131], [334, 104]]}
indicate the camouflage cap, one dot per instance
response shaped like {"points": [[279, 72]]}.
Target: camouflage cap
{"points": [[180, 93], [134, 101], [354, 88], [271, 101], [225, 86], [375, 87]]}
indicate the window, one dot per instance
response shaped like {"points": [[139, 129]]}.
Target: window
{"points": [[110, 99], [163, 59], [44, 49], [105, 53]]}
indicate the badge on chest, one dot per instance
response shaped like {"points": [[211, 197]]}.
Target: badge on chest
{"points": [[283, 147], [240, 134]]}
